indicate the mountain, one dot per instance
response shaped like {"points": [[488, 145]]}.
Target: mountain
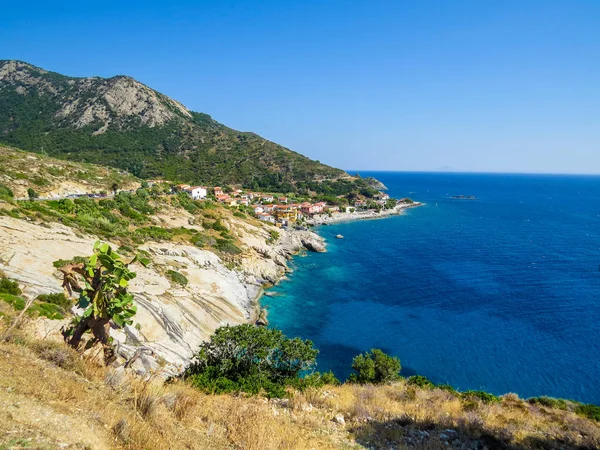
{"points": [[123, 123]]}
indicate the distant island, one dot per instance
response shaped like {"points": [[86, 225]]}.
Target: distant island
{"points": [[463, 197]]}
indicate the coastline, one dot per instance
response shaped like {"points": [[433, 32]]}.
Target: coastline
{"points": [[257, 310], [323, 219]]}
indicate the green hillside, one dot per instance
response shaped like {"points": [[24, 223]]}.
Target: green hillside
{"points": [[122, 123]]}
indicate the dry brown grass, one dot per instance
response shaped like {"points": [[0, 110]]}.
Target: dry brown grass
{"points": [[50, 397]]}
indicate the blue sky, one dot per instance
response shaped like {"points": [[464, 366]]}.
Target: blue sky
{"points": [[470, 85]]}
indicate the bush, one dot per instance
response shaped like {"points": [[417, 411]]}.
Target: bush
{"points": [[217, 225], [15, 301], [32, 194], [63, 262], [227, 246], [375, 367], [420, 381], [9, 287], [154, 232], [55, 299], [317, 380], [485, 397], [6, 192], [592, 412], [447, 388], [48, 310], [65, 205], [250, 359], [177, 277], [550, 402]]}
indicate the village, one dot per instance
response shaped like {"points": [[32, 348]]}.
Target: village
{"points": [[283, 211]]}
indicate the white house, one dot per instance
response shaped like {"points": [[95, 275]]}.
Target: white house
{"points": [[196, 192], [266, 217], [267, 198], [258, 209]]}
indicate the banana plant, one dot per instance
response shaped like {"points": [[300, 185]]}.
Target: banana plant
{"points": [[102, 283]]}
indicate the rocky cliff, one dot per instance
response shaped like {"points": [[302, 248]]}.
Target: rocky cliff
{"points": [[172, 320]]}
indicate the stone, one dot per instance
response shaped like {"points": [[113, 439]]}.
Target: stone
{"points": [[339, 418]]}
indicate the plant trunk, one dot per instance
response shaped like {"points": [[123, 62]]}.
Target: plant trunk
{"points": [[100, 328]]}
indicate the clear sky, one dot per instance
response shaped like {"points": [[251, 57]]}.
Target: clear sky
{"points": [[471, 85]]}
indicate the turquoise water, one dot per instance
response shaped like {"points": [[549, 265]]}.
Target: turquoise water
{"points": [[498, 293]]}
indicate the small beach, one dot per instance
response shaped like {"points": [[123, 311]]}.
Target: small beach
{"points": [[325, 219]]}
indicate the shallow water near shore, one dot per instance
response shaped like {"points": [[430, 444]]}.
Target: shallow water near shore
{"points": [[500, 293]]}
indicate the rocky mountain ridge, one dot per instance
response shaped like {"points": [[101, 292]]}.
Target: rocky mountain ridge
{"points": [[123, 123]]}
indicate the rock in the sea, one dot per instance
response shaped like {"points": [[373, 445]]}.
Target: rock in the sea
{"points": [[262, 320], [313, 245]]}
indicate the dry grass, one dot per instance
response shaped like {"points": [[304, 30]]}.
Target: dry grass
{"points": [[51, 398]]}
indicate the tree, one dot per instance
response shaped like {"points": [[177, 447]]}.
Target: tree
{"points": [[32, 194], [375, 367], [103, 295], [250, 359], [115, 188]]}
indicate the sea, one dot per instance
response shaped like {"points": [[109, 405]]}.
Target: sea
{"points": [[500, 293]]}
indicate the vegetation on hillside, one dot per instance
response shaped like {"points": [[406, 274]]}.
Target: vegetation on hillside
{"points": [[131, 219], [191, 147], [85, 405], [20, 171]]}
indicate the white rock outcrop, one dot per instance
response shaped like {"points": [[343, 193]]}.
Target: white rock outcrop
{"points": [[172, 320]]}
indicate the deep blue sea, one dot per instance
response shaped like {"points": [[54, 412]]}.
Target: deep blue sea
{"points": [[501, 293]]}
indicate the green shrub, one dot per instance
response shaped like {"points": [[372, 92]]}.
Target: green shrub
{"points": [[9, 287], [65, 205], [317, 380], [447, 388], [251, 359], [420, 381], [177, 277], [32, 193], [592, 412], [217, 225], [16, 302], [226, 246], [40, 181], [6, 192], [56, 299], [156, 233], [199, 240], [375, 367], [63, 262], [239, 215], [485, 397], [48, 310], [550, 402]]}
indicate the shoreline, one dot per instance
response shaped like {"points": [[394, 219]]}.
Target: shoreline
{"points": [[323, 219], [257, 308]]}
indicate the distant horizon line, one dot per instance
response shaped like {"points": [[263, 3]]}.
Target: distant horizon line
{"points": [[466, 172]]}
